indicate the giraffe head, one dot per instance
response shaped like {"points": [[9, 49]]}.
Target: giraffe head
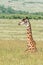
{"points": [[24, 21]]}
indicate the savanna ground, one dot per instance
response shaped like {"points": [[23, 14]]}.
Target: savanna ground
{"points": [[13, 43]]}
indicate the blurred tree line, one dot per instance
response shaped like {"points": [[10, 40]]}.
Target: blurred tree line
{"points": [[10, 13]]}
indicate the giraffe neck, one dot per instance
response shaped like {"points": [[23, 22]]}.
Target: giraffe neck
{"points": [[31, 43], [29, 32]]}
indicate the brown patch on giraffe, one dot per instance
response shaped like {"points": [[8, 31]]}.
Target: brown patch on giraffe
{"points": [[28, 28], [28, 32]]}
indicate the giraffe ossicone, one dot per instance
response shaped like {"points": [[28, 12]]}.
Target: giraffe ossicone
{"points": [[31, 44]]}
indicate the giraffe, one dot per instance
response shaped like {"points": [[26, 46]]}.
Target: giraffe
{"points": [[31, 44]]}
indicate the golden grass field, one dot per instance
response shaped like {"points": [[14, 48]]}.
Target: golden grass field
{"points": [[13, 43]]}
